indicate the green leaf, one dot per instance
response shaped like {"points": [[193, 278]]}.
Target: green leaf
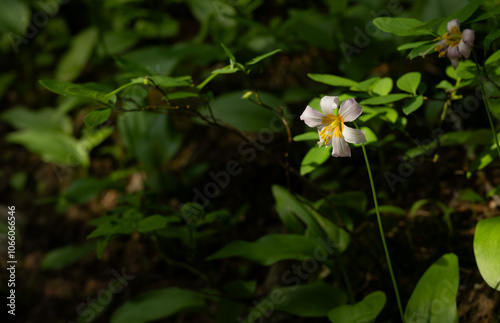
{"points": [[401, 26], [93, 138], [486, 15], [383, 86], [380, 100], [391, 209], [151, 223], [413, 45], [229, 54], [289, 209], [53, 146], [47, 118], [438, 284], [413, 104], [244, 114], [493, 57], [114, 42], [332, 80], [206, 81], [226, 70], [96, 117], [157, 304], [366, 310], [168, 81], [15, 17], [270, 249], [6, 80], [150, 137], [84, 189], [62, 257], [490, 38], [132, 66], [445, 85], [257, 59], [314, 158], [409, 82], [228, 309], [487, 250], [74, 60], [366, 85], [314, 300], [466, 70], [420, 50], [71, 89], [306, 136], [461, 14]]}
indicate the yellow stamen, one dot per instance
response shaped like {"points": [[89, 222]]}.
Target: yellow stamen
{"points": [[453, 37], [334, 127]]}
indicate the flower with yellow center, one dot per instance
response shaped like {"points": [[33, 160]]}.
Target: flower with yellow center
{"points": [[454, 43], [331, 128]]}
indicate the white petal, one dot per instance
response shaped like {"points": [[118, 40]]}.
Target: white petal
{"points": [[453, 52], [453, 23], [328, 104], [468, 36], [340, 147], [311, 117], [464, 49], [350, 110], [354, 136], [454, 63]]}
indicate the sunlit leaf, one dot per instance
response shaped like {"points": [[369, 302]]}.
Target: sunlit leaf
{"points": [[380, 100], [314, 158], [411, 105], [53, 146], [487, 250], [409, 82], [438, 285], [306, 136], [383, 86]]}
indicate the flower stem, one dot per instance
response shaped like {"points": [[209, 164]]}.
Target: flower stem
{"points": [[381, 229]]}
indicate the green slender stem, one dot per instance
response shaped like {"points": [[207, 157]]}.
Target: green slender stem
{"points": [[486, 102], [381, 229]]}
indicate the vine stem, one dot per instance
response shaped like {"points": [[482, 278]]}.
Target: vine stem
{"points": [[486, 101], [381, 229]]}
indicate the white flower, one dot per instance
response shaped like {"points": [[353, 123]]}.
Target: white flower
{"points": [[454, 43], [331, 128]]}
